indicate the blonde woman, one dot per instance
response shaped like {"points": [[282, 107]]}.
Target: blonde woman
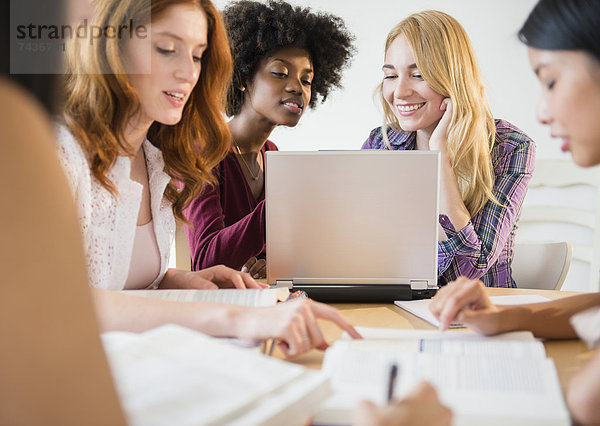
{"points": [[142, 110], [434, 99]]}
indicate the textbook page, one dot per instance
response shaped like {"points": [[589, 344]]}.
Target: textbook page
{"points": [[175, 376], [420, 308], [519, 344], [490, 390], [404, 333], [246, 297]]}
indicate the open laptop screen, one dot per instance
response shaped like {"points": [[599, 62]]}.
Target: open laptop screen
{"points": [[352, 217]]}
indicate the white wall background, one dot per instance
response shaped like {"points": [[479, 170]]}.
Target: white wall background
{"points": [[346, 118]]}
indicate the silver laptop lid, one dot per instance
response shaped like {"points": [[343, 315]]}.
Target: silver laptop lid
{"points": [[352, 217]]}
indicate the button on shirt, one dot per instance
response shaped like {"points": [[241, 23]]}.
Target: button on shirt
{"points": [[483, 249]]}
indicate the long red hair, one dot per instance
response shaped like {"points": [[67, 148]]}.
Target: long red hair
{"points": [[100, 100]]}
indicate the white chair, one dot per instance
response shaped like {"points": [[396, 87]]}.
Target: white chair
{"points": [[565, 174], [541, 265]]}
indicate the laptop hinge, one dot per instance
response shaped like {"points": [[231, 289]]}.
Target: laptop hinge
{"points": [[284, 283], [418, 284]]}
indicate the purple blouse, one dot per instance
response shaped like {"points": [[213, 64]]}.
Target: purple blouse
{"points": [[483, 249], [227, 222]]}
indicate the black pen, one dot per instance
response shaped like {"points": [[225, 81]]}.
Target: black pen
{"points": [[392, 381]]}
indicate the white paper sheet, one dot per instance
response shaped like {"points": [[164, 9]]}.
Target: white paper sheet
{"points": [[420, 308]]}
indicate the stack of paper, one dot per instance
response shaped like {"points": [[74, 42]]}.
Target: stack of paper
{"points": [[484, 380]]}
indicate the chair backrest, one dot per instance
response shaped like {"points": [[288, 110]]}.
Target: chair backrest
{"points": [[565, 174], [182, 250], [541, 265]]}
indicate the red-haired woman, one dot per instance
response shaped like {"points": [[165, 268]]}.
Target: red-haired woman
{"points": [[143, 109]]}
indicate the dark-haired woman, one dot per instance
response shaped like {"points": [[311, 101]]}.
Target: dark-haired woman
{"points": [[564, 52], [285, 59]]}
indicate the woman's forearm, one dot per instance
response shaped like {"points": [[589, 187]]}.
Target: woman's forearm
{"points": [[118, 311], [294, 323], [549, 320]]}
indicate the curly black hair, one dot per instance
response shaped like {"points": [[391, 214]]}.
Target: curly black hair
{"points": [[257, 29]]}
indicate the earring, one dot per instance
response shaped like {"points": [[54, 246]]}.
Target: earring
{"points": [[242, 89]]}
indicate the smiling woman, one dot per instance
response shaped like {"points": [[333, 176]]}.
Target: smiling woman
{"points": [[433, 98], [285, 59]]}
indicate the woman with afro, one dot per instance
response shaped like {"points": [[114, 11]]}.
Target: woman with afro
{"points": [[286, 59]]}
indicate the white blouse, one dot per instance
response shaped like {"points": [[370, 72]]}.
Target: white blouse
{"points": [[108, 223]]}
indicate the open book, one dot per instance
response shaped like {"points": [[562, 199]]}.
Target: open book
{"points": [[245, 297], [484, 380], [175, 376]]}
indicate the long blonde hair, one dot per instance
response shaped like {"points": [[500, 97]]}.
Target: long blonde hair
{"points": [[100, 100], [445, 59]]}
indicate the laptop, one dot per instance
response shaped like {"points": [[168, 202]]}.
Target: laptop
{"points": [[353, 226]]}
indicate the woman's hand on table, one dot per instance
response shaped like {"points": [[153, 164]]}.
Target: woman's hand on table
{"points": [[293, 324], [257, 268], [219, 276], [465, 301]]}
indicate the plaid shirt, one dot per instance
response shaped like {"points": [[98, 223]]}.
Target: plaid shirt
{"points": [[483, 249]]}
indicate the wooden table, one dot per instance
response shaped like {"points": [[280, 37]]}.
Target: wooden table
{"points": [[568, 355]]}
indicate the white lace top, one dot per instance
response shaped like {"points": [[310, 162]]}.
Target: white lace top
{"points": [[108, 223]]}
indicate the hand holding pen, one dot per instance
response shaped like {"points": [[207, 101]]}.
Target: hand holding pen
{"points": [[421, 407]]}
